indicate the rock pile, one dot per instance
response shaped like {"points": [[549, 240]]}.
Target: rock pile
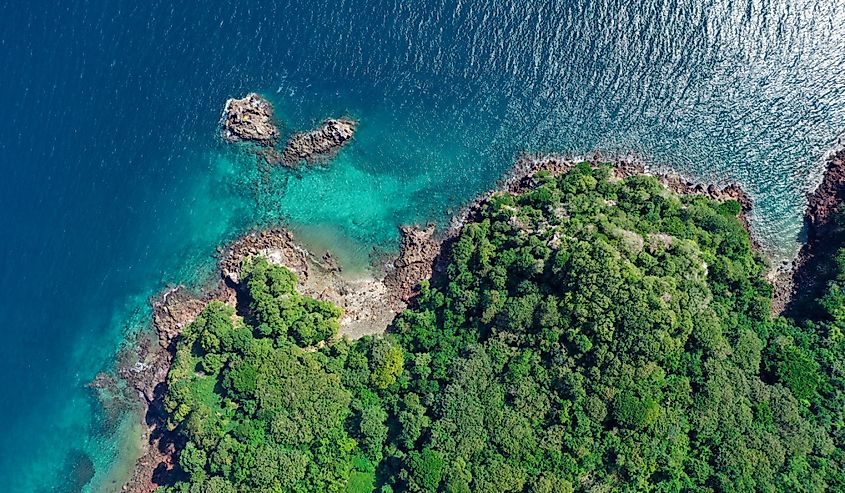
{"points": [[417, 254], [320, 144], [249, 119]]}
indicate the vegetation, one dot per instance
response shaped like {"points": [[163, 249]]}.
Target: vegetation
{"points": [[589, 335]]}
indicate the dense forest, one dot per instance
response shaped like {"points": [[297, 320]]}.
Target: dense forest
{"points": [[592, 334]]}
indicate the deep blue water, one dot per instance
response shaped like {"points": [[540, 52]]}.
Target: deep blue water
{"points": [[113, 182]]}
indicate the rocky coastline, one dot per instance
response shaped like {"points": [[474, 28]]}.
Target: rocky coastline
{"points": [[815, 259], [522, 177], [371, 303], [369, 306], [144, 368]]}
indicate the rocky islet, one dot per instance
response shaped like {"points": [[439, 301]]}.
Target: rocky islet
{"points": [[319, 145], [251, 119]]}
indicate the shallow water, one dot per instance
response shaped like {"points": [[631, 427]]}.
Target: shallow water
{"points": [[114, 183]]}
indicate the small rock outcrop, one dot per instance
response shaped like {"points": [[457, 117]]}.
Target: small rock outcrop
{"points": [[173, 311], [249, 119], [320, 144], [418, 253], [277, 244]]}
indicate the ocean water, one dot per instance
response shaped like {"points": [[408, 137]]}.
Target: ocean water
{"points": [[114, 183]]}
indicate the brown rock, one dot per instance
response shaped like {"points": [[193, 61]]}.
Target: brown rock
{"points": [[173, 311], [417, 254], [144, 366], [320, 144], [276, 244], [815, 258], [249, 119]]}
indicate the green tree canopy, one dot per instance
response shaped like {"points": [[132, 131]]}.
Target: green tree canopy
{"points": [[592, 334]]}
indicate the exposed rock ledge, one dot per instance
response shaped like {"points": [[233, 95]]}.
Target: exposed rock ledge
{"points": [[418, 252], [249, 119], [320, 144], [816, 256], [144, 366]]}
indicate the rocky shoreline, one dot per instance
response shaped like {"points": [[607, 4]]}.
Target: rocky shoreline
{"points": [[809, 272], [145, 369], [371, 303], [522, 177], [369, 306]]}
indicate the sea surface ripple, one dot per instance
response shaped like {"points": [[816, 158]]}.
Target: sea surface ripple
{"points": [[115, 184]]}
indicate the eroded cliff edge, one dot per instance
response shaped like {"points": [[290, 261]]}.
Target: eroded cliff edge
{"points": [[816, 257]]}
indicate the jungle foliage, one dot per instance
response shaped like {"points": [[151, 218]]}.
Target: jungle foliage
{"points": [[592, 334]]}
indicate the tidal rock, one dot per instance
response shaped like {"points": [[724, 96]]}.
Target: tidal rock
{"points": [[173, 311], [320, 144], [249, 119], [418, 252], [277, 244]]}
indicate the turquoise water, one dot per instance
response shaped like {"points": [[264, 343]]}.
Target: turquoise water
{"points": [[114, 183]]}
